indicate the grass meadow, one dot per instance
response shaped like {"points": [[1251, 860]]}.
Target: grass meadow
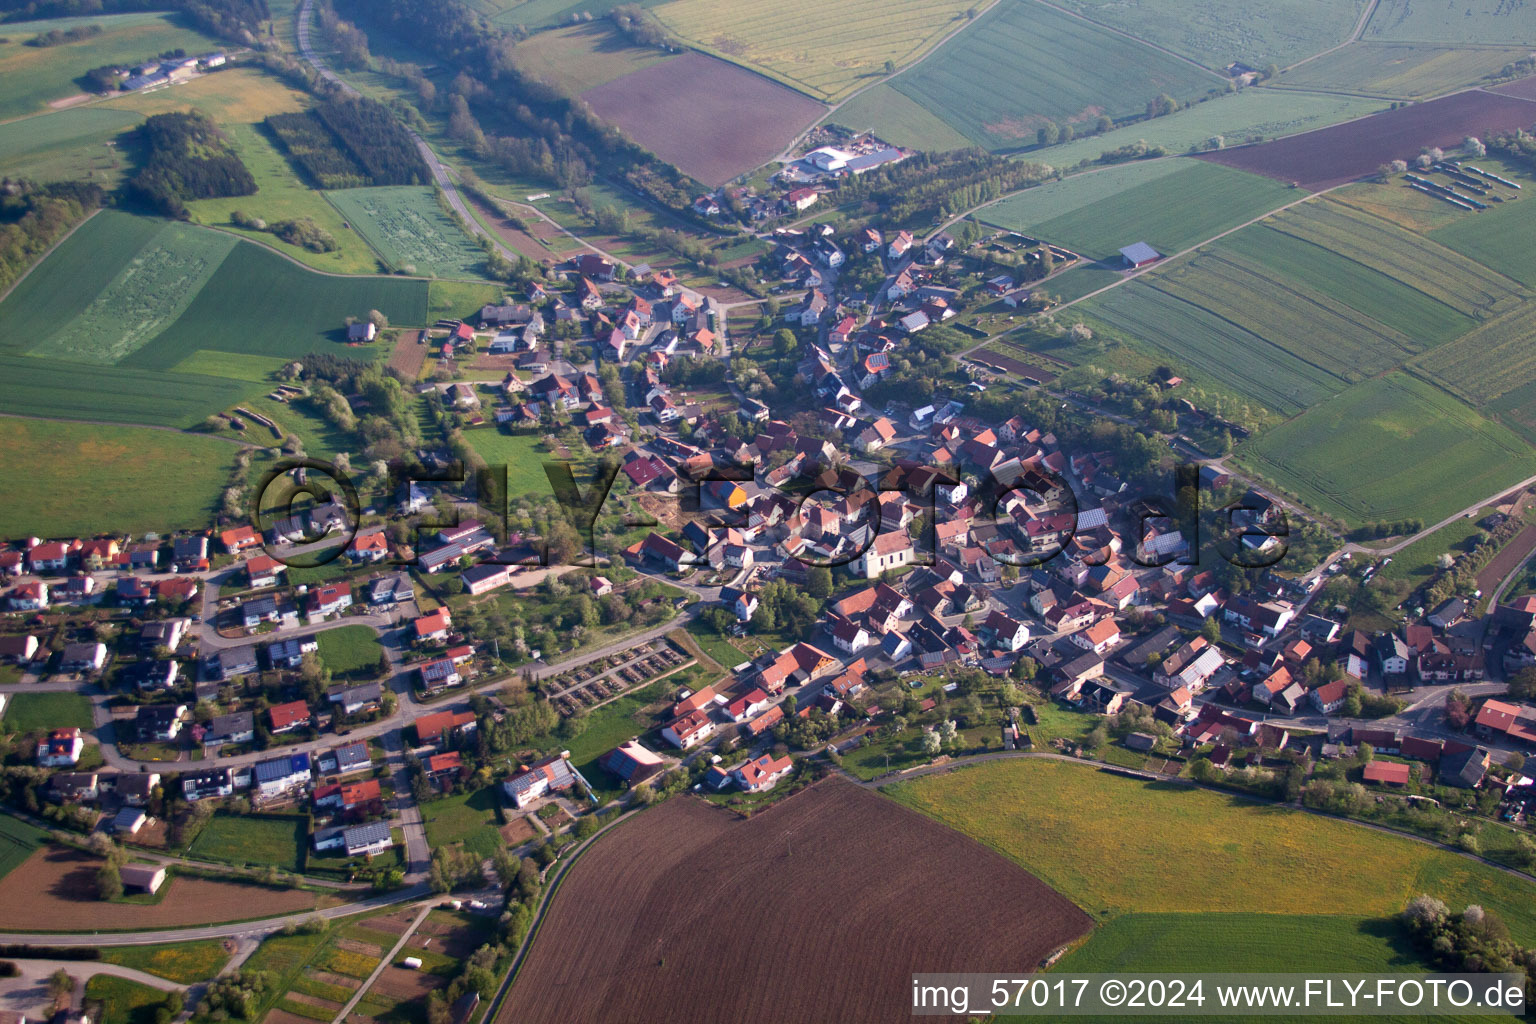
{"points": [[1477, 21], [1024, 63], [84, 143], [468, 818], [123, 1001], [76, 478], [184, 962], [898, 119], [522, 454], [1498, 237], [1083, 832], [1393, 447], [350, 651], [253, 839], [576, 58], [1497, 357], [36, 712]]}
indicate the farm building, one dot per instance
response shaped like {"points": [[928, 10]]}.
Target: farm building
{"points": [[148, 877], [1139, 255]]}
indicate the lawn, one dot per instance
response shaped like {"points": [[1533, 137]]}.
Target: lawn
{"points": [[1215, 32], [36, 75], [1048, 815], [825, 50], [405, 224], [124, 1001], [31, 712], [1392, 448], [612, 724], [140, 479], [183, 962], [1399, 71], [1263, 113], [468, 818], [350, 651], [276, 839], [522, 454], [1475, 21], [1023, 63], [460, 299], [18, 840], [1169, 204]]}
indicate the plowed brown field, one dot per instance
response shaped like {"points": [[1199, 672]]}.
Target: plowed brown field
{"points": [[818, 909], [55, 890], [706, 117], [1333, 156]]}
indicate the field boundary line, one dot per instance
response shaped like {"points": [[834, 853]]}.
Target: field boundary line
{"points": [[325, 194], [48, 252], [386, 961], [1135, 38], [146, 426], [1354, 37]]}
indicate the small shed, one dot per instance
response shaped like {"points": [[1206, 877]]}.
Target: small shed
{"points": [[148, 877], [1139, 254], [128, 821], [1142, 741]]}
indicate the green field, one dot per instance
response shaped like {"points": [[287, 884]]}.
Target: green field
{"points": [[256, 302], [140, 479], [1275, 378], [1391, 448], [1417, 262], [1498, 237], [1317, 329], [522, 454], [581, 57], [898, 120], [825, 50], [1084, 833], [1215, 33], [36, 75], [17, 841], [1389, 301], [350, 651], [1024, 63], [468, 818], [154, 286], [1497, 357], [1169, 204], [184, 962], [124, 1001], [35, 712], [234, 365], [85, 143], [1235, 117], [278, 840], [405, 224], [1399, 71], [1452, 21], [1135, 943], [460, 299]]}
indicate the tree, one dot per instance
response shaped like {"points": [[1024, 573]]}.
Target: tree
{"points": [[1271, 71], [61, 986], [109, 882], [379, 320], [1522, 684], [1473, 146], [1211, 630], [818, 582], [1048, 134], [932, 743], [1367, 753]]}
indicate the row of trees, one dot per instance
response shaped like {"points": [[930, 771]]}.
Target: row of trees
{"points": [[238, 20]]}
